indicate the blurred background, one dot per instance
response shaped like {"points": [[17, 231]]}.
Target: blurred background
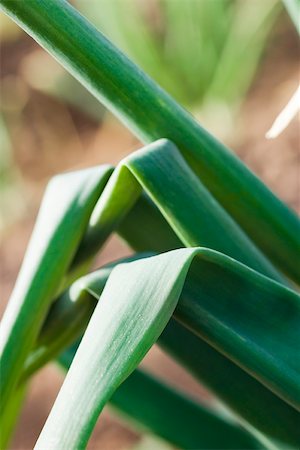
{"points": [[234, 64]]}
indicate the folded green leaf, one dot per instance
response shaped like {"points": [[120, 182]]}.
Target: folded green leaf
{"points": [[126, 322], [253, 320], [264, 414], [62, 220], [153, 234], [191, 211], [136, 303], [152, 114], [139, 395], [242, 393]]}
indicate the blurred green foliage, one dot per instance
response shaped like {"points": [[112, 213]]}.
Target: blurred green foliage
{"points": [[202, 52]]}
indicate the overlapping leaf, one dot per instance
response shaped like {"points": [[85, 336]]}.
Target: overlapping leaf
{"points": [[111, 347], [259, 333], [63, 218], [227, 380], [191, 211], [140, 397], [152, 405], [119, 334], [196, 217], [152, 114]]}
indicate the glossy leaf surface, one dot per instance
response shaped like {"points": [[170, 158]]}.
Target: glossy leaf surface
{"points": [[152, 114], [126, 322], [152, 405], [62, 220], [191, 211], [115, 327]]}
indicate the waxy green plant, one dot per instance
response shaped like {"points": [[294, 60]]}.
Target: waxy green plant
{"points": [[212, 277]]}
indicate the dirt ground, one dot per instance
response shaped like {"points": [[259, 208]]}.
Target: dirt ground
{"points": [[276, 161]]}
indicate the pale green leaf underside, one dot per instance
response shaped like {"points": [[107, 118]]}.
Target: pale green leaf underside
{"points": [[263, 337], [245, 315], [136, 304], [141, 398], [127, 321], [207, 364], [205, 223]]}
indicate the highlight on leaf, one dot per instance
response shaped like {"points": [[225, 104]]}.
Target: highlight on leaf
{"points": [[211, 267], [211, 277]]}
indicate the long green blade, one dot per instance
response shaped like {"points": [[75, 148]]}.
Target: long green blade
{"points": [[188, 207], [245, 396], [253, 320], [262, 412], [126, 322], [62, 220], [152, 114], [141, 296], [138, 397], [154, 406], [202, 428]]}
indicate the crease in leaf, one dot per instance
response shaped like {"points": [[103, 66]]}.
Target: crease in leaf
{"points": [[207, 364], [240, 392], [152, 114], [139, 102], [126, 322], [135, 306], [188, 207], [253, 320], [137, 397]]}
